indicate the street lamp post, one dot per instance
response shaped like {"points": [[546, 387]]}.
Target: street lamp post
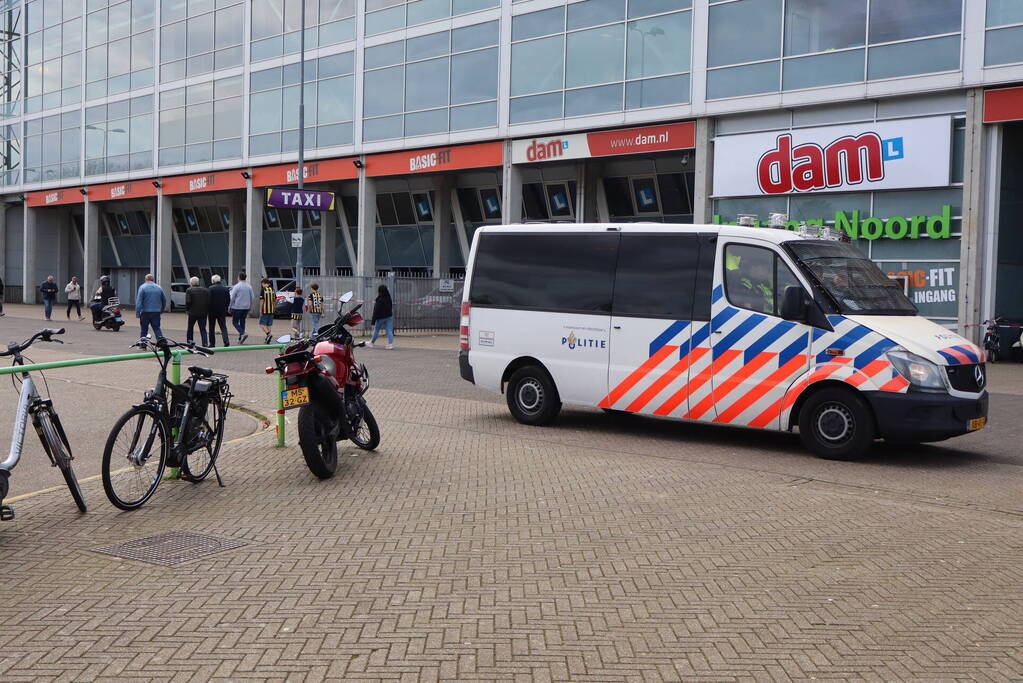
{"points": [[300, 219]]}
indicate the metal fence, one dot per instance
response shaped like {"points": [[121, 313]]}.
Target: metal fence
{"points": [[420, 303]]}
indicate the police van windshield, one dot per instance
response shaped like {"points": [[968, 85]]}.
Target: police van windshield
{"points": [[855, 284]]}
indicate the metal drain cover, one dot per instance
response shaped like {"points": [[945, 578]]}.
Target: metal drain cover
{"points": [[173, 547]]}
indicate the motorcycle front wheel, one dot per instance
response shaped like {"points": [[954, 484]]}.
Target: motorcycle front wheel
{"points": [[367, 434], [318, 445]]}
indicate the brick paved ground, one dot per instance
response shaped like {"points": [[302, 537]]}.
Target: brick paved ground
{"points": [[472, 548]]}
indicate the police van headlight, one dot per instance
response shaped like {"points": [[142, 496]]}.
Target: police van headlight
{"points": [[918, 371]]}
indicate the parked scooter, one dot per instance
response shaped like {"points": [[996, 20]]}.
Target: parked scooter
{"points": [[109, 316], [326, 384]]}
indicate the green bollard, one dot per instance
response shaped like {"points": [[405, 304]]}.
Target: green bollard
{"points": [[280, 410]]}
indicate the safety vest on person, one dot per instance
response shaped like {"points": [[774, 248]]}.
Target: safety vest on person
{"points": [[267, 300], [316, 303]]}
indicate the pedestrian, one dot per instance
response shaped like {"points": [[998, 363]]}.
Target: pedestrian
{"points": [[267, 308], [2, 314], [383, 316], [104, 293], [297, 308], [74, 297], [240, 304], [49, 290], [315, 307], [197, 305], [220, 302], [149, 304]]}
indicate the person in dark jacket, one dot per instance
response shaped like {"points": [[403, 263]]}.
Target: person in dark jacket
{"points": [[383, 316], [49, 290], [220, 302], [197, 305], [101, 298]]}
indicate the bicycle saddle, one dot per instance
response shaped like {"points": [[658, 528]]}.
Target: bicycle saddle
{"points": [[200, 372]]}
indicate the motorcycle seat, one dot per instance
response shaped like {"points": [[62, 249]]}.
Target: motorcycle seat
{"points": [[200, 372]]}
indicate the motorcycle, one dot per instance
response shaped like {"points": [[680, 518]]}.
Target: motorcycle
{"points": [[109, 316], [992, 340], [327, 386]]}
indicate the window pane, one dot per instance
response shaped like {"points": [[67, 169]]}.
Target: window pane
{"points": [[337, 134], [645, 195], [536, 108], [749, 277], [660, 45], [538, 65], [593, 100], [142, 51], [267, 18], [337, 65], [422, 11], [96, 28], [1000, 12], [200, 35], [474, 76], [619, 203], [172, 127], [199, 123], [426, 84], [227, 117], [335, 100], [474, 116], [577, 270], [558, 200], [120, 57], [472, 37], [657, 92], [1004, 46], [463, 6], [826, 69], [536, 24], [919, 57], [676, 193], [819, 25], [742, 80], [901, 19], [384, 55], [595, 12], [595, 56], [426, 122], [385, 20], [426, 46], [119, 21], [382, 91], [656, 276], [172, 42], [230, 25], [640, 8], [265, 111], [382, 129], [730, 25]]}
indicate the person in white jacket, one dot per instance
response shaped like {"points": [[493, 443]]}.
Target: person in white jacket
{"points": [[74, 297], [242, 297]]}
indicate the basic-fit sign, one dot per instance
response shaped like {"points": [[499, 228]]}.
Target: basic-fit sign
{"points": [[863, 157], [291, 198]]}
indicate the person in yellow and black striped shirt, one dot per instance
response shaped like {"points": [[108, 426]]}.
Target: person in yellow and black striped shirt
{"points": [[315, 306], [267, 308]]}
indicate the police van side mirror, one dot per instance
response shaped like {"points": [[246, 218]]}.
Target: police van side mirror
{"points": [[794, 304]]}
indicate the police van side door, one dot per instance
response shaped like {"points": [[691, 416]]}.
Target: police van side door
{"points": [[652, 327]]}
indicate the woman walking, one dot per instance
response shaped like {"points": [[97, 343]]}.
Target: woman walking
{"points": [[383, 316], [74, 297]]}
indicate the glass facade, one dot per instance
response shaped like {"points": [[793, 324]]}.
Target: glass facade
{"points": [[201, 122], [276, 25], [196, 39], [120, 46]]}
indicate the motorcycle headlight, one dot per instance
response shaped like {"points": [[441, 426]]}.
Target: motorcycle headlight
{"points": [[919, 372]]}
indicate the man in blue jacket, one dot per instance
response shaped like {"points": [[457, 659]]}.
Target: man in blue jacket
{"points": [[149, 304]]}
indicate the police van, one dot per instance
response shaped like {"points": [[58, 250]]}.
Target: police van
{"points": [[753, 327]]}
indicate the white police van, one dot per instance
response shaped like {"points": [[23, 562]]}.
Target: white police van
{"points": [[735, 325]]}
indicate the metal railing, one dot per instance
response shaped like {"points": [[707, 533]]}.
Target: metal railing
{"points": [[419, 303], [175, 372]]}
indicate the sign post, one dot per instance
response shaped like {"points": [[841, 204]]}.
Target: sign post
{"points": [[300, 218]]}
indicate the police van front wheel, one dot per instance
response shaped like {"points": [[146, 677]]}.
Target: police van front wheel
{"points": [[532, 397], [836, 424]]}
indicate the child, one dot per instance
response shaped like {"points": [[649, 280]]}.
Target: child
{"points": [[297, 307], [315, 307]]}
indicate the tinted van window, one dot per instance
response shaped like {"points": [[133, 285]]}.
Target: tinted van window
{"points": [[571, 273], [656, 276]]}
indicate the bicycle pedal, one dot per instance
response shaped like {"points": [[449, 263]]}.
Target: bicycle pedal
{"points": [[6, 513]]}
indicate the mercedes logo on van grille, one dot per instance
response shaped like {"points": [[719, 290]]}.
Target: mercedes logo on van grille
{"points": [[978, 374]]}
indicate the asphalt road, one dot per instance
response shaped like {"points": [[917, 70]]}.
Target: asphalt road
{"points": [[980, 470]]}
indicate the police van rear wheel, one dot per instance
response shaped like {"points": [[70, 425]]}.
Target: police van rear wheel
{"points": [[836, 424], [532, 397]]}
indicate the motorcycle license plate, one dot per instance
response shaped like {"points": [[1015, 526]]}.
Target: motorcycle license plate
{"points": [[293, 398], [976, 423]]}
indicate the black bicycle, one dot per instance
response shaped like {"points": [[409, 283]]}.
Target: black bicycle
{"points": [[180, 424], [46, 423]]}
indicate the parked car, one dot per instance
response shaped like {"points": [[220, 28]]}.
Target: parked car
{"points": [[285, 295], [177, 298]]}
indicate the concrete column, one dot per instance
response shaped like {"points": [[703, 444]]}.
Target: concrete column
{"points": [[703, 205], [28, 256], [253, 234], [346, 234], [441, 225], [367, 248], [511, 200], [3, 238], [971, 248], [90, 245], [163, 269], [593, 208], [62, 264], [235, 238], [328, 242]]}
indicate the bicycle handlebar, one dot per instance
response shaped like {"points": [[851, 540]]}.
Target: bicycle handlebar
{"points": [[44, 335], [165, 344]]}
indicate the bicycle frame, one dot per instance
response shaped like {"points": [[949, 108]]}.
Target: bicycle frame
{"points": [[28, 397]]}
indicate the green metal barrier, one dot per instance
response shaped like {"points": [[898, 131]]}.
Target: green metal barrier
{"points": [[175, 373]]}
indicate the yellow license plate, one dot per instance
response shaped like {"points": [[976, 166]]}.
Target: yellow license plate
{"points": [[293, 398], [977, 423]]}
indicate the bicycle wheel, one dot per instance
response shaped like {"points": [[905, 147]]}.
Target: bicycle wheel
{"points": [[134, 457], [198, 464], [57, 448]]}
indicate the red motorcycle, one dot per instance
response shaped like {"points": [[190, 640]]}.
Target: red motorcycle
{"points": [[327, 386]]}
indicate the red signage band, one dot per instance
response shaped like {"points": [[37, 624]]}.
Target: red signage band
{"points": [[646, 139], [1004, 104], [453, 158], [315, 172], [64, 195], [204, 182], [130, 189]]}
